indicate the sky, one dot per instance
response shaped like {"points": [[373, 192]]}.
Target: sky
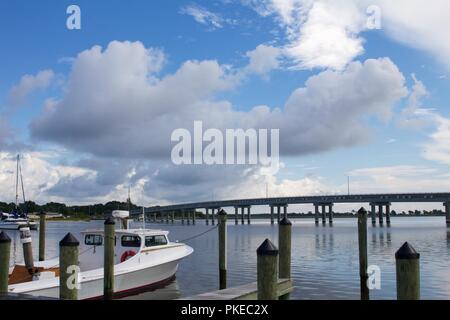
{"points": [[357, 89]]}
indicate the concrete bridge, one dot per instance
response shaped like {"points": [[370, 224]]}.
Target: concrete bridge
{"points": [[323, 206]]}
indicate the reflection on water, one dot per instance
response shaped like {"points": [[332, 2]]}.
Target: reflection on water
{"points": [[324, 259]]}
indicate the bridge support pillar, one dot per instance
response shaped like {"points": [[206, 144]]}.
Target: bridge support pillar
{"points": [[272, 219], [172, 216], [182, 216], [285, 215], [447, 213], [330, 214], [188, 218], [380, 215], [236, 215], [248, 215], [193, 216], [324, 215], [373, 214], [278, 214], [213, 215], [167, 216], [388, 214], [242, 215], [207, 216], [316, 214]]}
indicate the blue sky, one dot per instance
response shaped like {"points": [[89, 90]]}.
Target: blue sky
{"points": [[293, 42]]}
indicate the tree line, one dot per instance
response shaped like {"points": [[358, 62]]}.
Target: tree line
{"points": [[54, 207]]}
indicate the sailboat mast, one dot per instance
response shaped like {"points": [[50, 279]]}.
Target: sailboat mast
{"points": [[17, 182]]}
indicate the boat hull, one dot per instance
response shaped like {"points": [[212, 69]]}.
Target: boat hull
{"points": [[17, 225], [125, 284]]}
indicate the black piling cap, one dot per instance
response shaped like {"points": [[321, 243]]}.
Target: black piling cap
{"points": [[42, 213], [285, 222], [109, 221], [362, 211], [406, 251], [267, 248], [69, 241], [4, 238], [222, 212]]}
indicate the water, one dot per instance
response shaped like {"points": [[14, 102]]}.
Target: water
{"points": [[325, 261]]}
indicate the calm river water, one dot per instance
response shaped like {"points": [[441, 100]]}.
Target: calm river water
{"points": [[324, 259]]}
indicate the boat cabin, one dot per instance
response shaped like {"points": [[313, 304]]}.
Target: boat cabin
{"points": [[127, 244]]}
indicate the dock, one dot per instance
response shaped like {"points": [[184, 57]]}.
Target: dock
{"points": [[245, 292]]}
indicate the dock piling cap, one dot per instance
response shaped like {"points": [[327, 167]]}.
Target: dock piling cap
{"points": [[222, 212], [267, 248], [4, 238], [362, 211], [109, 221], [285, 222], [69, 241], [406, 251]]}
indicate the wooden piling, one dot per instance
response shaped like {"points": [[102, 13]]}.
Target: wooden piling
{"points": [[363, 261], [108, 264], [284, 245], [27, 245], [222, 222], [69, 269], [5, 251], [42, 220], [267, 271], [408, 273]]}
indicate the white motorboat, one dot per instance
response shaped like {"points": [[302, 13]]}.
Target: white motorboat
{"points": [[10, 222], [144, 260]]}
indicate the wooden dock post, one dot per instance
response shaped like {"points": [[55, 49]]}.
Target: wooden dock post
{"points": [[69, 269], [42, 220], [267, 271], [284, 245], [408, 273], [27, 245], [108, 264], [363, 263], [5, 251], [222, 222]]}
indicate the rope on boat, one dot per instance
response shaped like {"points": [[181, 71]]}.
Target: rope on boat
{"points": [[199, 235]]}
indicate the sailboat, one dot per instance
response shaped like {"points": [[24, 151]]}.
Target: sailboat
{"points": [[18, 218]]}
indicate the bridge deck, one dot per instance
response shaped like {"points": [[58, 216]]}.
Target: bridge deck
{"points": [[375, 198]]}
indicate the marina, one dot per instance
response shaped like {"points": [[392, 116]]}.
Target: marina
{"points": [[324, 259]]}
